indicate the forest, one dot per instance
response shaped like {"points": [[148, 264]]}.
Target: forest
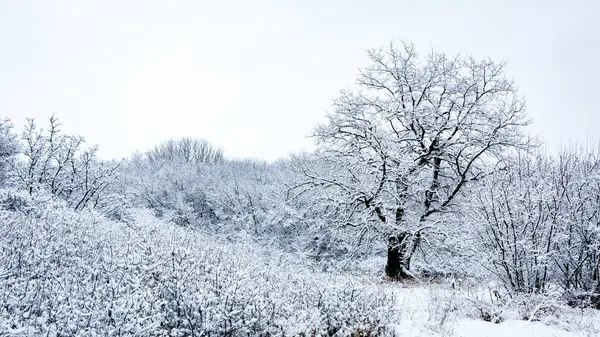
{"points": [[425, 210]]}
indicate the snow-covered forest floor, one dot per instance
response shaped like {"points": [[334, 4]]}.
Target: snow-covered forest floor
{"points": [[439, 310], [67, 273]]}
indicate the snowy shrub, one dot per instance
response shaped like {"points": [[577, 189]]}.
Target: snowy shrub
{"points": [[115, 206], [534, 307], [66, 273], [443, 308], [488, 305], [537, 223], [19, 201]]}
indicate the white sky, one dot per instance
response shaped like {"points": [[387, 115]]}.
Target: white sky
{"points": [[254, 77]]}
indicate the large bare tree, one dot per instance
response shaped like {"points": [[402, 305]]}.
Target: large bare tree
{"points": [[400, 146]]}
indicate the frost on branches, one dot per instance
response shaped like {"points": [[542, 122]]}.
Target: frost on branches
{"points": [[76, 273], [539, 224], [60, 164], [402, 144]]}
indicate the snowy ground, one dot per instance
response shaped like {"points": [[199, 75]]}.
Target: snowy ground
{"points": [[437, 310]]}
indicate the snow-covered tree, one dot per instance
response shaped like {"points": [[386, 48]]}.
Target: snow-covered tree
{"points": [[60, 164], [9, 147], [187, 150], [404, 142]]}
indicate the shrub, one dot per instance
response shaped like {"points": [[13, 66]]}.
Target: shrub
{"points": [[78, 273]]}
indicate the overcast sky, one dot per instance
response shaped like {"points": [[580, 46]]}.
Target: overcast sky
{"points": [[254, 77]]}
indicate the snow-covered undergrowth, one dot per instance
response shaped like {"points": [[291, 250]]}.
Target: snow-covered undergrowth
{"points": [[65, 273], [470, 310]]}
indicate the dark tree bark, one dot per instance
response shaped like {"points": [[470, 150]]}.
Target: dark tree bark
{"points": [[400, 251], [399, 256], [595, 298]]}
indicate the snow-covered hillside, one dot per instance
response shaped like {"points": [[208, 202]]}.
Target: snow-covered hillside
{"points": [[66, 273]]}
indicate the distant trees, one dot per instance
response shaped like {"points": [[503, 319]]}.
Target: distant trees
{"points": [[400, 147], [172, 179], [186, 150], [189, 182], [236, 194], [229, 196], [174, 189]]}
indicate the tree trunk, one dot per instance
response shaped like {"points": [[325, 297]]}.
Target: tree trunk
{"points": [[401, 247], [595, 298]]}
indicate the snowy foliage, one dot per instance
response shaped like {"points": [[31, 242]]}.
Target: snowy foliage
{"points": [[187, 150], [77, 273], [59, 163], [9, 147], [235, 197], [539, 222]]}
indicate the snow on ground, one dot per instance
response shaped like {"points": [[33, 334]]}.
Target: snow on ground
{"points": [[511, 328], [438, 311]]}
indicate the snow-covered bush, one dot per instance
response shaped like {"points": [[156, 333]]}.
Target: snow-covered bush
{"points": [[12, 200], [537, 222], [78, 273]]}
